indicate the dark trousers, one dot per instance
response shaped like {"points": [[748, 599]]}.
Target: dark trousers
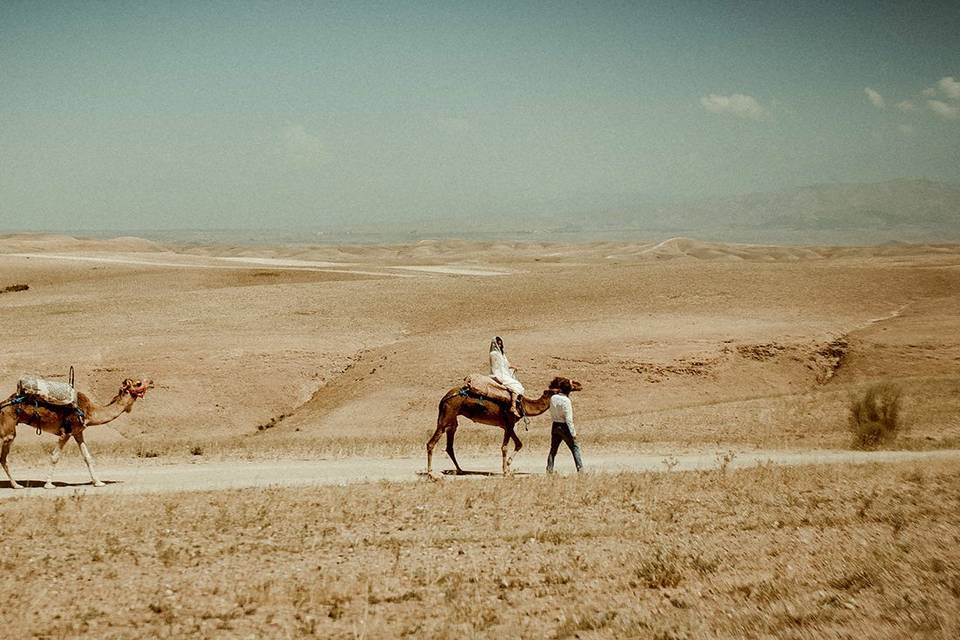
{"points": [[561, 433]]}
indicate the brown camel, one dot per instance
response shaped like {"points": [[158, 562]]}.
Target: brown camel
{"points": [[56, 420], [461, 401]]}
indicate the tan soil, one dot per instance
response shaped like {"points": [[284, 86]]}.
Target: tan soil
{"points": [[305, 365], [682, 343]]}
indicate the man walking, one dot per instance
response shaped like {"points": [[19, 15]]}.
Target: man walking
{"points": [[561, 410]]}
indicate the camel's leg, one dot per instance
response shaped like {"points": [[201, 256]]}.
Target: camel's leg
{"points": [[503, 451], [431, 443], [4, 450], [451, 432], [509, 433], [78, 436], [55, 458], [517, 445]]}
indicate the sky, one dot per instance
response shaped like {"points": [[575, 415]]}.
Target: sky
{"points": [[180, 115]]}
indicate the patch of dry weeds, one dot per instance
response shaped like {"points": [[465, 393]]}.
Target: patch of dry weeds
{"points": [[868, 551]]}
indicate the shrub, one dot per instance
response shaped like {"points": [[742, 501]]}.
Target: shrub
{"points": [[660, 571], [875, 417]]}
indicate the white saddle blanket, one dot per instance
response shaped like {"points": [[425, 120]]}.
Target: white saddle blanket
{"points": [[49, 391]]}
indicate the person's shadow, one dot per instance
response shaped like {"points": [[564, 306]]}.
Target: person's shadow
{"points": [[38, 484]]}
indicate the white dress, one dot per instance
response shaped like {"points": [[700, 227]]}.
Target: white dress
{"points": [[501, 371]]}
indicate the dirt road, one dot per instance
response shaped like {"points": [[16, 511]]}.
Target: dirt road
{"points": [[175, 261], [145, 477]]}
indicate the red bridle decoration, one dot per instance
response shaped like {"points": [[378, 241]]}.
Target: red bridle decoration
{"points": [[137, 390]]}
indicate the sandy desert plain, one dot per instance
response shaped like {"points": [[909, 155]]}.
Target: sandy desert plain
{"points": [[703, 366]]}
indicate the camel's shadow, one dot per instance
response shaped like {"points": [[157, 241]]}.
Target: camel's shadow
{"points": [[38, 484], [467, 472]]}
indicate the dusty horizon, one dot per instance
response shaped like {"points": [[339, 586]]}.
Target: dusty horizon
{"points": [[914, 211]]}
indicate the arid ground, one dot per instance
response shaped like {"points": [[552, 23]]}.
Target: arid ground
{"points": [[315, 353]]}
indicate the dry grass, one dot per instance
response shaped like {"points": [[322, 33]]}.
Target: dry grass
{"points": [[769, 552]]}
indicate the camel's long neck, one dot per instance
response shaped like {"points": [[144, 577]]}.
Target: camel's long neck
{"points": [[102, 414], [538, 406]]}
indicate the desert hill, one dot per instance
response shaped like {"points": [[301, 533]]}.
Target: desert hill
{"points": [[49, 242], [913, 210], [350, 347], [827, 214]]}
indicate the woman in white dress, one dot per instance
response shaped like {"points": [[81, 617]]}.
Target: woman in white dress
{"points": [[502, 372]]}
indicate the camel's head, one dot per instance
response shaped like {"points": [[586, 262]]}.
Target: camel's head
{"points": [[135, 388], [564, 385]]}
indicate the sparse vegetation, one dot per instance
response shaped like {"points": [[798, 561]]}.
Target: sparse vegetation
{"points": [[660, 570], [724, 459], [875, 416], [772, 552], [272, 422]]}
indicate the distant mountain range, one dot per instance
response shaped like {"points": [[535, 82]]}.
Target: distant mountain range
{"points": [[826, 214], [904, 210], [921, 211]]}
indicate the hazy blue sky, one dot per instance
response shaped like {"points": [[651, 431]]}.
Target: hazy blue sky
{"points": [[277, 114]]}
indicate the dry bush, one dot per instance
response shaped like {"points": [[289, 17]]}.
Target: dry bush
{"points": [[661, 570], [875, 417]]}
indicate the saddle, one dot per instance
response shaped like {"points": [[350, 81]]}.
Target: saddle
{"points": [[487, 387], [59, 394], [53, 394]]}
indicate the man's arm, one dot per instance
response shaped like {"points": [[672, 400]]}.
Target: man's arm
{"points": [[568, 416]]}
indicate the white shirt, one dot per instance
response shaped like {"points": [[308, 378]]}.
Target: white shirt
{"points": [[561, 410]]}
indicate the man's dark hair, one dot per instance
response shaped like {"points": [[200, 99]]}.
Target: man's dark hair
{"points": [[564, 385]]}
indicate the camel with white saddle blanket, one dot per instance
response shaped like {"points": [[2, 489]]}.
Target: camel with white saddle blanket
{"points": [[483, 400], [57, 408]]}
